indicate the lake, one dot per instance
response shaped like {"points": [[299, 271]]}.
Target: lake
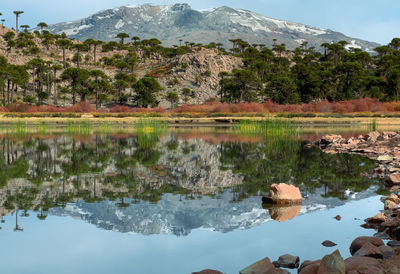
{"points": [[178, 201]]}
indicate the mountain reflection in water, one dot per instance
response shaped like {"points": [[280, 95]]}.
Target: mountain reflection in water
{"points": [[172, 184]]}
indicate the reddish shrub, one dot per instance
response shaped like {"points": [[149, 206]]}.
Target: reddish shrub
{"points": [[103, 110], [360, 105], [271, 106], [292, 108], [82, 107], [308, 107], [3, 109], [159, 110], [323, 106], [19, 107], [119, 109]]}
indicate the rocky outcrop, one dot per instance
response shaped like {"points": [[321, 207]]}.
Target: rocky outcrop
{"points": [[198, 71]]}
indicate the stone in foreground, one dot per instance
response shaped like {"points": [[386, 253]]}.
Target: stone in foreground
{"points": [[328, 243], [365, 265], [208, 271], [332, 264], [283, 194], [287, 261], [360, 241], [263, 266], [369, 250]]}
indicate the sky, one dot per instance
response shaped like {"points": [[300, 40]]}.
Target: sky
{"points": [[372, 20]]}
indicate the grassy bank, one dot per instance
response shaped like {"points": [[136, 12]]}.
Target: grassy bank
{"points": [[224, 120]]}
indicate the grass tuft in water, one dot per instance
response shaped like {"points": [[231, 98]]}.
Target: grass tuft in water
{"points": [[81, 128], [373, 125], [149, 131], [268, 128]]}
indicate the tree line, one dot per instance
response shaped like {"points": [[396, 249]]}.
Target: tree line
{"points": [[306, 75]]}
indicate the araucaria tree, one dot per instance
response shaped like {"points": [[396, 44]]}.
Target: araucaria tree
{"points": [[17, 14], [146, 90]]}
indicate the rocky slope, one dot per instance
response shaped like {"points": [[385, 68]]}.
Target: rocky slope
{"points": [[196, 70], [179, 23]]}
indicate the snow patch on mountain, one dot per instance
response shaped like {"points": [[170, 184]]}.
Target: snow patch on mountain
{"points": [[171, 23], [353, 44], [119, 24]]}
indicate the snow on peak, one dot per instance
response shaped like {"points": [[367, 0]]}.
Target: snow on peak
{"points": [[352, 45]]}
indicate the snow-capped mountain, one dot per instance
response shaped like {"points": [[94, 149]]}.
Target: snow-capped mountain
{"points": [[178, 23]]}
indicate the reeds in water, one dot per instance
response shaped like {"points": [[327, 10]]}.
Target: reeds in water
{"points": [[82, 128], [373, 126], [268, 128], [149, 131]]}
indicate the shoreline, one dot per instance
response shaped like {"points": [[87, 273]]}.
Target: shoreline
{"points": [[201, 121], [368, 254]]}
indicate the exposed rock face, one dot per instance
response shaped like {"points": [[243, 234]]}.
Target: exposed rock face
{"points": [[283, 194], [180, 22], [197, 71]]}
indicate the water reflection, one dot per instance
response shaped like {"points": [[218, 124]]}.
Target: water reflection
{"points": [[170, 184]]}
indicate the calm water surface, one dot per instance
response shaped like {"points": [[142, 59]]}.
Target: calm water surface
{"points": [[172, 203]]}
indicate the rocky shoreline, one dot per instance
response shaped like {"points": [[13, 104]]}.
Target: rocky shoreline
{"points": [[370, 255]]}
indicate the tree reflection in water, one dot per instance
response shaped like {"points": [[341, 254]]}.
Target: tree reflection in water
{"points": [[43, 172]]}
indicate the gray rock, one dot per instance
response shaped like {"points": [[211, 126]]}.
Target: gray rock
{"points": [[287, 261], [387, 251], [394, 243]]}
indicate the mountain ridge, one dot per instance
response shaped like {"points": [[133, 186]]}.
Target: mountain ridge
{"points": [[173, 24]]}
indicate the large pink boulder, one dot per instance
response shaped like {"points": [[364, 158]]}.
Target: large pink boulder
{"points": [[283, 194]]}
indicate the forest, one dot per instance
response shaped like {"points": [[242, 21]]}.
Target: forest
{"points": [[306, 75]]}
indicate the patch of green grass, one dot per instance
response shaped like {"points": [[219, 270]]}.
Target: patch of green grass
{"points": [[373, 125], [82, 128], [149, 131], [268, 128]]}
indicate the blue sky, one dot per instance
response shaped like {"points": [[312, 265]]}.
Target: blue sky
{"points": [[373, 20]]}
